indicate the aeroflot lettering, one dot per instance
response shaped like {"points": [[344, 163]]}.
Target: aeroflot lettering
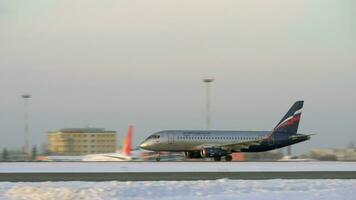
{"points": [[195, 133]]}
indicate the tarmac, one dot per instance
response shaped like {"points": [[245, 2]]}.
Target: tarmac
{"points": [[169, 176], [173, 171]]}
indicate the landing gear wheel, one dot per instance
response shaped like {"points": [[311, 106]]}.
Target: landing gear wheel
{"points": [[228, 158], [217, 158], [158, 157]]}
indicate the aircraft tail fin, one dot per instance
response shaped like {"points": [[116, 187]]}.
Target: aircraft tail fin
{"points": [[290, 122], [126, 148]]}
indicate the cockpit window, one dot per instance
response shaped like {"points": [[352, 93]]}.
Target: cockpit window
{"points": [[154, 136]]}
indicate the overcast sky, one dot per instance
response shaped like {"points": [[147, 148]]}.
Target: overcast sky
{"points": [[114, 63]]}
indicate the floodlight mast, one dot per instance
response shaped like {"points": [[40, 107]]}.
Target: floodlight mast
{"points": [[25, 147], [208, 82]]}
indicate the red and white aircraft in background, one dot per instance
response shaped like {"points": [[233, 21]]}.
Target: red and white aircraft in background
{"points": [[126, 154]]}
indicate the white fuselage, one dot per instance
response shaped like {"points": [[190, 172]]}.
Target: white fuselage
{"points": [[186, 140]]}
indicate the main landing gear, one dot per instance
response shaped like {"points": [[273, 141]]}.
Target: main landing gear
{"points": [[217, 158], [228, 158]]}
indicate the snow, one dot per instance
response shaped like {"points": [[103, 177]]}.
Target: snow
{"points": [[175, 190], [28, 167]]}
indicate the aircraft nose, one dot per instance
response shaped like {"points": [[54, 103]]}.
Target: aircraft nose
{"points": [[143, 145]]}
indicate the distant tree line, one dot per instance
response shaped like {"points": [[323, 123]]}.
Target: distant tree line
{"points": [[18, 155]]}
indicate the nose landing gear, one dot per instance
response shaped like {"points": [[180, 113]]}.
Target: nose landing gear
{"points": [[158, 157]]}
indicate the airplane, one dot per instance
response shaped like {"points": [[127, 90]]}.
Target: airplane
{"points": [[126, 154], [217, 144]]}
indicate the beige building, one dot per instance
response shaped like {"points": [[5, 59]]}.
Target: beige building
{"points": [[348, 154], [81, 141]]}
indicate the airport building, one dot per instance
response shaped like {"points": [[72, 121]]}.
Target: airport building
{"points": [[81, 141], [348, 154]]}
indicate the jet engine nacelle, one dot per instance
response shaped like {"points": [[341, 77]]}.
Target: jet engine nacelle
{"points": [[212, 152], [192, 154]]}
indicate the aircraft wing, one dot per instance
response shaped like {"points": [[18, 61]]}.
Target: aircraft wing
{"points": [[232, 146], [241, 145]]}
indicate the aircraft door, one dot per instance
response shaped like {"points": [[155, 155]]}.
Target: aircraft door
{"points": [[271, 140], [170, 138]]}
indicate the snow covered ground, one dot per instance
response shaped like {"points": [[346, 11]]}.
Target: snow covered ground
{"points": [[31, 167], [174, 190]]}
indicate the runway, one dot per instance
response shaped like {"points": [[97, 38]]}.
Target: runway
{"points": [[152, 171]]}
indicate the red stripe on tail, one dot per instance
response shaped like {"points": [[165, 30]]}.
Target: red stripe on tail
{"points": [[126, 149]]}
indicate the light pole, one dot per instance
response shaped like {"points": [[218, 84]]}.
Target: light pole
{"points": [[25, 149], [208, 82]]}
